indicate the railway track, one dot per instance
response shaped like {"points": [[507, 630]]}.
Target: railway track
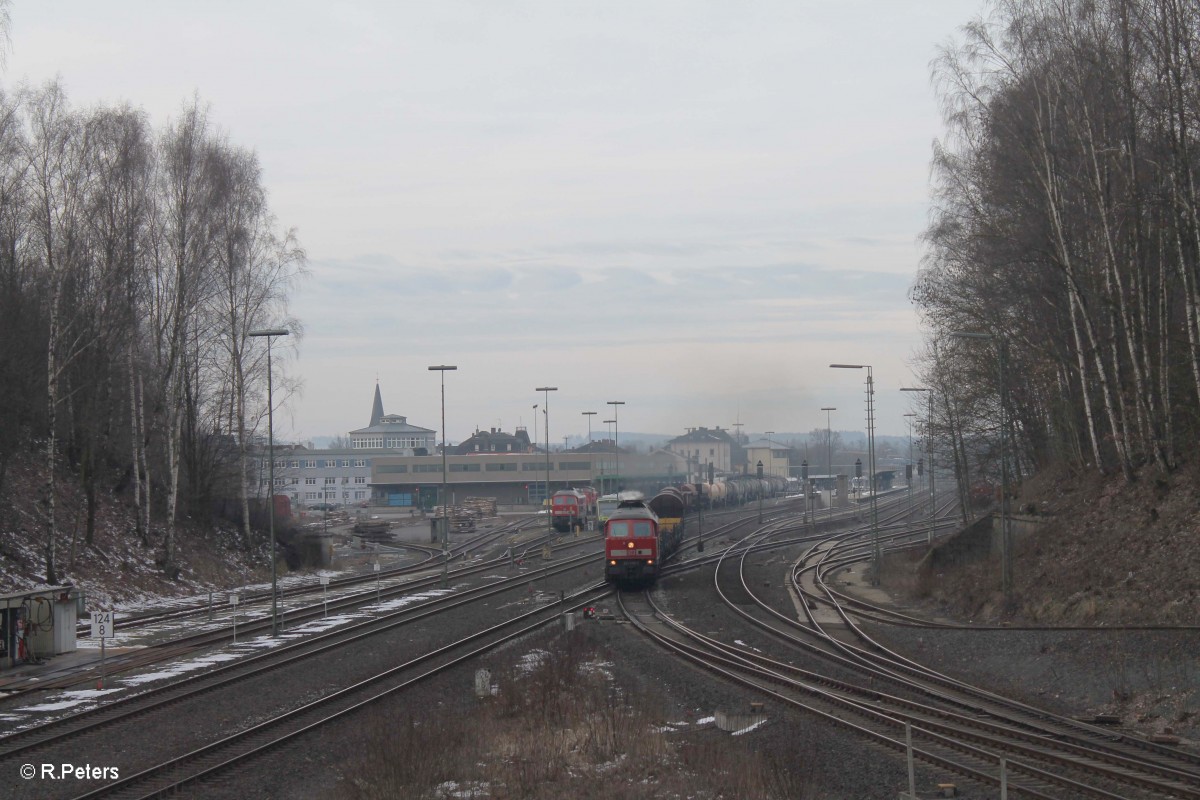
{"points": [[221, 633], [157, 699], [191, 769], [955, 727], [132, 620], [152, 710]]}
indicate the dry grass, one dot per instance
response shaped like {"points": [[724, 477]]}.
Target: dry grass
{"points": [[557, 728]]}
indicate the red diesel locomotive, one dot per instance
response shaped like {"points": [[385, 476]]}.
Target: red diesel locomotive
{"points": [[572, 509], [636, 542]]}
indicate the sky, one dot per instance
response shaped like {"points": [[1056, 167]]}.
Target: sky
{"points": [[692, 206]]}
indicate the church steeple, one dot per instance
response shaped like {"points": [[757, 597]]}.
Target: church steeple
{"points": [[376, 408]]}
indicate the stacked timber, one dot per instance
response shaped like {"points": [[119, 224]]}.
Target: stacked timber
{"points": [[373, 529], [481, 506], [462, 518]]}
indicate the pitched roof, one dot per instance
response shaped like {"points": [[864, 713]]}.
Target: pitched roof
{"points": [[702, 435], [494, 441], [388, 423]]}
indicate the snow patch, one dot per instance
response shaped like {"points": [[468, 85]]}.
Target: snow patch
{"points": [[749, 728]]}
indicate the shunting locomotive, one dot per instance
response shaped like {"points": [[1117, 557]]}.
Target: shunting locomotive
{"points": [[572, 509]]}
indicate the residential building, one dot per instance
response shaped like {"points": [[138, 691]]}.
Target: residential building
{"points": [[702, 447], [774, 457], [339, 475]]}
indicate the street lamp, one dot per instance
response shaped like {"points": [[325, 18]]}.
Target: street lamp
{"points": [[592, 460], [546, 390], [878, 554], [617, 438], [270, 333], [829, 456], [442, 369], [771, 468], [1006, 567], [912, 468], [609, 422], [929, 451], [760, 491]]}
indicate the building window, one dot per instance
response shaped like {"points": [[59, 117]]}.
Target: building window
{"points": [[359, 495], [330, 481], [502, 467], [426, 468], [310, 495], [345, 479], [310, 481], [574, 465], [391, 468], [360, 462], [295, 480], [464, 468], [360, 479]]}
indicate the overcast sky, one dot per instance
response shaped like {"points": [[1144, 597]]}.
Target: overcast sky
{"points": [[694, 207]]}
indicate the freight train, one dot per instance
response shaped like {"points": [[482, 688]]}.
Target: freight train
{"points": [[636, 541], [573, 509], [639, 536]]}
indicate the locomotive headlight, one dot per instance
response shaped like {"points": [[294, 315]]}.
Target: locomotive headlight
{"points": [[613, 563], [629, 545], [649, 560]]}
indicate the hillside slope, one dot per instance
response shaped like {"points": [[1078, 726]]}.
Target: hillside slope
{"points": [[1105, 553], [116, 569]]}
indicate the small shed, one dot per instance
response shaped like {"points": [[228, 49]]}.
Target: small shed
{"points": [[38, 622]]}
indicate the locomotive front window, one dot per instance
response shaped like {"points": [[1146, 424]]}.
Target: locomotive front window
{"points": [[620, 529], [642, 528]]}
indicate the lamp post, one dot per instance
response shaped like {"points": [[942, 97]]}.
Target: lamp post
{"points": [[878, 553], [808, 517], [1006, 567], [591, 457], [610, 422], [929, 452], [270, 333], [912, 468], [760, 492], [442, 369], [546, 390], [829, 455], [592, 463], [617, 438]]}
